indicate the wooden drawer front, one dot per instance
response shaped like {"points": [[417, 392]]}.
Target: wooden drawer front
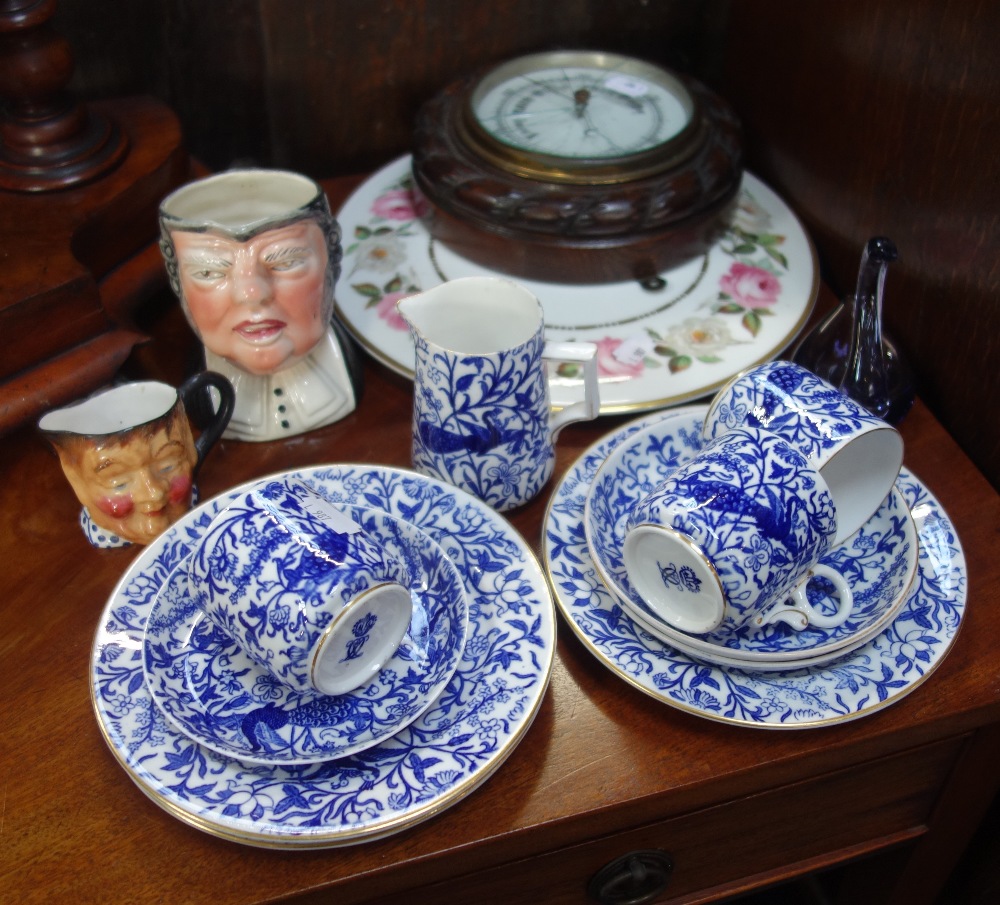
{"points": [[858, 809]]}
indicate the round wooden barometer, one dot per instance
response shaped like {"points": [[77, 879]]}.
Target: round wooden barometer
{"points": [[578, 167]]}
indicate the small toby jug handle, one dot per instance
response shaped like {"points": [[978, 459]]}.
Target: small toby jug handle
{"points": [[219, 419]]}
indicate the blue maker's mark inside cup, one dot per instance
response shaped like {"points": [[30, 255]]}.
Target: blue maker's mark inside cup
{"points": [[673, 577], [362, 638]]}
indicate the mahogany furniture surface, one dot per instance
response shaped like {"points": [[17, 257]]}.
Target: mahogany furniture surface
{"points": [[75, 263], [603, 772], [79, 189]]}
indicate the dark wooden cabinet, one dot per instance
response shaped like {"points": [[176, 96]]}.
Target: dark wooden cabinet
{"points": [[880, 119], [868, 118], [773, 833]]}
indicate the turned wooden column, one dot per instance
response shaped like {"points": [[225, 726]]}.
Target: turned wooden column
{"points": [[79, 191], [47, 140]]}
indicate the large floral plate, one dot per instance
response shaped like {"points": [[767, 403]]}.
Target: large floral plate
{"points": [[879, 561], [874, 676], [734, 307], [213, 692], [450, 750]]}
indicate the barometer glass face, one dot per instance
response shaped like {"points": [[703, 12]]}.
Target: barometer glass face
{"points": [[582, 106]]}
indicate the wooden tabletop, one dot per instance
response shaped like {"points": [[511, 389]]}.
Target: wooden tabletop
{"points": [[600, 758]]}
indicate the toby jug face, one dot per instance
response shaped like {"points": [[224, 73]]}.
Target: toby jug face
{"points": [[131, 457], [253, 256]]}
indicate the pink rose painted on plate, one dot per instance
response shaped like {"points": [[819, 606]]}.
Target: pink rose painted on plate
{"points": [[399, 204], [608, 365], [386, 309], [749, 286]]}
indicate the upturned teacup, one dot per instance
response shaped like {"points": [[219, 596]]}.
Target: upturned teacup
{"points": [[858, 454], [301, 588], [733, 538]]}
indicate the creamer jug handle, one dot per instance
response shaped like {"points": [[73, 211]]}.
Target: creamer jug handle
{"points": [[585, 409]]}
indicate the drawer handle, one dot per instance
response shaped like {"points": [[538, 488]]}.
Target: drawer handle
{"points": [[632, 879]]}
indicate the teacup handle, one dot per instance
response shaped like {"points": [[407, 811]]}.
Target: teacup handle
{"points": [[589, 407], [801, 613], [220, 419]]}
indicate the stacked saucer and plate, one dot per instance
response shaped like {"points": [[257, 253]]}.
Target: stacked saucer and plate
{"points": [[763, 561], [323, 657]]}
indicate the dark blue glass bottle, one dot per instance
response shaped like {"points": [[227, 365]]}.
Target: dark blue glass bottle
{"points": [[849, 349]]}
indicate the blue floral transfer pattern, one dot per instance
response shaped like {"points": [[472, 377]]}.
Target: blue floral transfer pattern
{"points": [[213, 692], [874, 676], [481, 422], [879, 562], [753, 492], [786, 398], [452, 748], [273, 571]]}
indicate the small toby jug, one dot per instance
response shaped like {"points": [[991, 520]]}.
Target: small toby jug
{"points": [[483, 418], [130, 456]]}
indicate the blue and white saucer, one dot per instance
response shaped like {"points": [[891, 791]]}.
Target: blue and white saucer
{"points": [[879, 561], [454, 746], [213, 692], [865, 680]]}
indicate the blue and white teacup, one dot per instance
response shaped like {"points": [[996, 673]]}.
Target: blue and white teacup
{"points": [[307, 594], [733, 537], [857, 453]]}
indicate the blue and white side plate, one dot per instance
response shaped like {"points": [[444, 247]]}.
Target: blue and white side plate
{"points": [[213, 692], [879, 561], [451, 749], [862, 682]]}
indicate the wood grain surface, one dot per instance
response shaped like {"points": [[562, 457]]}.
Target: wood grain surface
{"points": [[603, 768]]}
